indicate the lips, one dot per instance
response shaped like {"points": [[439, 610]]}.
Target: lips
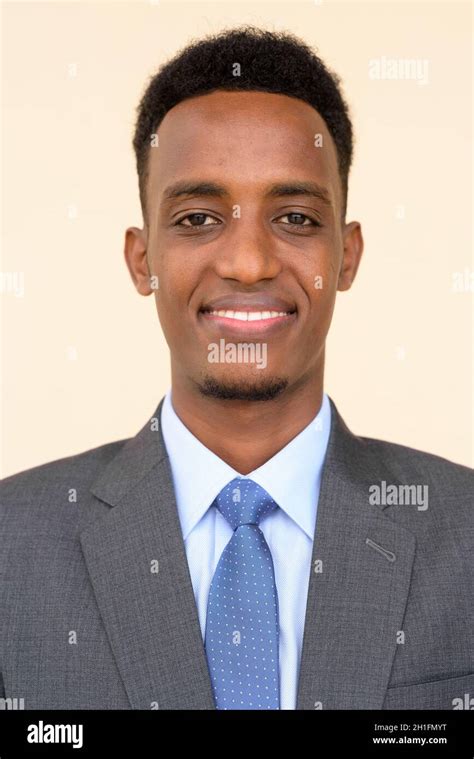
{"points": [[251, 316], [221, 326], [247, 316], [255, 306]]}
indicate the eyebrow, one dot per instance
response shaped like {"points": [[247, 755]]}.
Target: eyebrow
{"points": [[309, 189], [210, 189]]}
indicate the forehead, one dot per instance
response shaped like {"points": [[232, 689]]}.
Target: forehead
{"points": [[246, 139]]}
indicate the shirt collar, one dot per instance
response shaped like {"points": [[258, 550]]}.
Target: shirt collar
{"points": [[292, 476]]}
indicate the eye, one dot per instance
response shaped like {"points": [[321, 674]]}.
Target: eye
{"points": [[199, 220], [299, 220]]}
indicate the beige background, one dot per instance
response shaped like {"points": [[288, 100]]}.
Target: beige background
{"points": [[84, 360]]}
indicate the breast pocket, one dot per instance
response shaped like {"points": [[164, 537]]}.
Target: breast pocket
{"points": [[450, 693]]}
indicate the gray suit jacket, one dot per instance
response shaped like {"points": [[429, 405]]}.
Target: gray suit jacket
{"points": [[88, 621]]}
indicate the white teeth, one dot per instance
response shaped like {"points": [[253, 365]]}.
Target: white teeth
{"points": [[250, 316]]}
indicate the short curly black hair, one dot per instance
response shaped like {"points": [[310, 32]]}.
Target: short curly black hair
{"points": [[276, 62]]}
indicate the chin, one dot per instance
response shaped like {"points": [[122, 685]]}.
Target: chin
{"points": [[239, 389]]}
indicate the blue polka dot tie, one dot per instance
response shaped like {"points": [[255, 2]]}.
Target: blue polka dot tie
{"points": [[242, 633]]}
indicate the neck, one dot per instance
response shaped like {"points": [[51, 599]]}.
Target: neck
{"points": [[246, 434]]}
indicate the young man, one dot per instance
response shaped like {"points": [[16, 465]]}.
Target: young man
{"points": [[245, 550]]}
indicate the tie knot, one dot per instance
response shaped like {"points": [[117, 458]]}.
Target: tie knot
{"points": [[243, 501]]}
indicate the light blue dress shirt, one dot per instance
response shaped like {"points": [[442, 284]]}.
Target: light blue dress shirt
{"points": [[292, 477]]}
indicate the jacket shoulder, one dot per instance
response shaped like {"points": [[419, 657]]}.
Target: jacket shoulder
{"points": [[403, 461], [46, 482], [443, 490]]}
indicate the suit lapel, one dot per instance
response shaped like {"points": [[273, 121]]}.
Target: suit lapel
{"points": [[138, 568], [357, 593]]}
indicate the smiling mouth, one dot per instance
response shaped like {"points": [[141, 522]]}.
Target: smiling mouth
{"points": [[250, 316], [246, 322]]}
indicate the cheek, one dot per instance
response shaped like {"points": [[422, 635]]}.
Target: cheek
{"points": [[174, 301], [319, 279], [173, 281]]}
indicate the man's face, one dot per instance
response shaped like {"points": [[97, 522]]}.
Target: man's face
{"points": [[259, 237]]}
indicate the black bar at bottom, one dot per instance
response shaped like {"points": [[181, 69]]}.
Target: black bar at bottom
{"points": [[155, 733]]}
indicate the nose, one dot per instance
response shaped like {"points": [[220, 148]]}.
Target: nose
{"points": [[248, 254]]}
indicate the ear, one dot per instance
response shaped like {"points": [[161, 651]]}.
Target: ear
{"points": [[135, 256], [353, 248]]}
